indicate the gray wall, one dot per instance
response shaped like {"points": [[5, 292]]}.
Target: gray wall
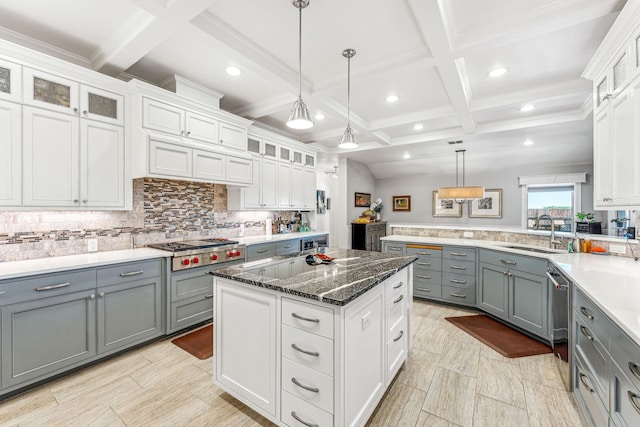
{"points": [[420, 188]]}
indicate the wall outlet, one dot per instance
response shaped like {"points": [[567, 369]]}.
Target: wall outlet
{"points": [[241, 230], [617, 249], [468, 234], [92, 245]]}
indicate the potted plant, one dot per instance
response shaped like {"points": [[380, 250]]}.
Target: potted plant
{"points": [[586, 223], [619, 222], [585, 216]]}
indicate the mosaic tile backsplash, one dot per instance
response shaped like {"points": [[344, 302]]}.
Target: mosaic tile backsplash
{"points": [[163, 210]]}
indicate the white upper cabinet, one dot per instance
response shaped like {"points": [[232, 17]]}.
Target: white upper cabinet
{"points": [[163, 117], [232, 136], [200, 127], [101, 105], [262, 147], [11, 159], [10, 81], [50, 91]]}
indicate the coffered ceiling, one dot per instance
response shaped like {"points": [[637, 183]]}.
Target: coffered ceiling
{"points": [[435, 55]]}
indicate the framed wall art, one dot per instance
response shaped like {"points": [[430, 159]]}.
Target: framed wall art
{"points": [[488, 207], [402, 203], [363, 200], [445, 208]]}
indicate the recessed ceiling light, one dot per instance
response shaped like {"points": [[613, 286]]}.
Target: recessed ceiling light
{"points": [[319, 116], [528, 142], [391, 98], [418, 126], [406, 156], [497, 72], [527, 107], [233, 71]]}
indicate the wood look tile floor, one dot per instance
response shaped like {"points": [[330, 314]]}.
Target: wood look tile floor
{"points": [[450, 379]]}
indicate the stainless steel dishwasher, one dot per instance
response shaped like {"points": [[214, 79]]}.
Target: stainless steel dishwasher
{"points": [[561, 290]]}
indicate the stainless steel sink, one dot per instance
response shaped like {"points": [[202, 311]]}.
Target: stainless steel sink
{"points": [[530, 249]]}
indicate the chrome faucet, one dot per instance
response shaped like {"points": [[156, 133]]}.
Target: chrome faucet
{"points": [[552, 241]]}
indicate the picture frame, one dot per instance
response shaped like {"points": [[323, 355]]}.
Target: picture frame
{"points": [[321, 206], [402, 203], [488, 207], [445, 208], [362, 200]]}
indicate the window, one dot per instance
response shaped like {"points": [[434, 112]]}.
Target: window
{"points": [[555, 201]]}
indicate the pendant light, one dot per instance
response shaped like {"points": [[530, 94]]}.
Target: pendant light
{"points": [[460, 194], [348, 140], [299, 117]]}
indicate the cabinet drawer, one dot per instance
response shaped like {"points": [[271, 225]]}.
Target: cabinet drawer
{"points": [[308, 317], [627, 355], [190, 311], [395, 311], [308, 384], [625, 399], [397, 285], [427, 276], [592, 316], [260, 251], [518, 262], [595, 356], [122, 273], [298, 413], [586, 394], [461, 281], [458, 295], [458, 253], [427, 290], [45, 286], [397, 348], [428, 264], [394, 248], [458, 266], [307, 349], [287, 247], [427, 251], [187, 284]]}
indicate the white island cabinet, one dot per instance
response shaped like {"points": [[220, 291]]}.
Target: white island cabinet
{"points": [[301, 362]]}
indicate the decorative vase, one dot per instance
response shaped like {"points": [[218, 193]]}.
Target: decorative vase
{"points": [[377, 216]]}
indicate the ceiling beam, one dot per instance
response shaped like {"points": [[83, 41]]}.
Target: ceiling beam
{"points": [[411, 118], [266, 107]]}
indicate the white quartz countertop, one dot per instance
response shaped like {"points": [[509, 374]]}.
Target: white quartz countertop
{"points": [[611, 282], [13, 269], [254, 240]]}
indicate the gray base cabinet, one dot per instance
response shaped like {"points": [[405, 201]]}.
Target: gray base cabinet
{"points": [[493, 290], [191, 296]]}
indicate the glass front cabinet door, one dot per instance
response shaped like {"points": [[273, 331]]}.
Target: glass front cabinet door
{"points": [[10, 84]]}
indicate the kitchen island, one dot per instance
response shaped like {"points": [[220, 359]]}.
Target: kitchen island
{"points": [[313, 344]]}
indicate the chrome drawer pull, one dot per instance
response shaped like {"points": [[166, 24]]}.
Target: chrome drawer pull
{"points": [[457, 267], [1, 292], [424, 289], [394, 248], [457, 254], [423, 253], [632, 398], [306, 319], [399, 285], [420, 276], [60, 285], [583, 381], [306, 387], [635, 370], [423, 263], [261, 251], [584, 311], [398, 299], [457, 295], [462, 282], [131, 273], [293, 414], [208, 296], [310, 353], [585, 332], [399, 336], [508, 261], [288, 246]]}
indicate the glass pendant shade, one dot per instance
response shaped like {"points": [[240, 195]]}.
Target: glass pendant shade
{"points": [[299, 117], [348, 140]]}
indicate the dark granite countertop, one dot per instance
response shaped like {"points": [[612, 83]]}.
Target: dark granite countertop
{"points": [[348, 276]]}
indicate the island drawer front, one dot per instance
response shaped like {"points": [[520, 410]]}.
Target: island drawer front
{"points": [[458, 266], [306, 343], [585, 392], [459, 296], [458, 253], [287, 247], [397, 285], [395, 312], [428, 264], [312, 415], [592, 316], [425, 251], [308, 317], [515, 261], [265, 250], [595, 356], [627, 355], [321, 394], [45, 286], [459, 281], [427, 290], [123, 273], [625, 399], [397, 347]]}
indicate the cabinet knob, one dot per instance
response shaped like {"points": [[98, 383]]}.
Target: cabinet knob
{"points": [[222, 141], [188, 133], [101, 294], [92, 296], [75, 110], [85, 112], [84, 200], [75, 200]]}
